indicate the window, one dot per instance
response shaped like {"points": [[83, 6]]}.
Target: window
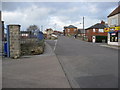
{"points": [[68, 30], [74, 30], [114, 37], [94, 30], [101, 30], [114, 21]]}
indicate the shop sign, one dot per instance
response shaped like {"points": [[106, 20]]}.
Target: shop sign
{"points": [[113, 33], [117, 28], [112, 28], [106, 29]]}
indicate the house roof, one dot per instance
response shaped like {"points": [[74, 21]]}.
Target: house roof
{"points": [[98, 26], [116, 11], [70, 26]]}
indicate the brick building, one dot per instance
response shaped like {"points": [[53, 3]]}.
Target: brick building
{"points": [[70, 30], [96, 32], [114, 27]]}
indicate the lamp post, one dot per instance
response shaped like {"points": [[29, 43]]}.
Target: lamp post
{"points": [[83, 29]]}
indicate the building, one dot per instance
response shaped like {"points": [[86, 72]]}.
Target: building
{"points": [[80, 33], [24, 34], [96, 32], [57, 32], [48, 33], [114, 27], [70, 30]]}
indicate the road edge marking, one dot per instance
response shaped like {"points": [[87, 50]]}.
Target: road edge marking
{"points": [[55, 45]]}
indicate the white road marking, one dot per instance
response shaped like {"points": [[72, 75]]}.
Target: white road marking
{"points": [[55, 45]]}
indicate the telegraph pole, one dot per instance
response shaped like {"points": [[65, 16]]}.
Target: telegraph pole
{"points": [[55, 26], [83, 29], [41, 27]]}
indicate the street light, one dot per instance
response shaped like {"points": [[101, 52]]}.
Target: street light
{"points": [[83, 29]]}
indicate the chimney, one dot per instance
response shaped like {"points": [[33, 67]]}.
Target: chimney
{"points": [[102, 22]]}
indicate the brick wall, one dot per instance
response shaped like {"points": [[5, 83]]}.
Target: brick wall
{"points": [[71, 31]]}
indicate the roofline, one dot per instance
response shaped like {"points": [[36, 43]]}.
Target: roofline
{"points": [[113, 14]]}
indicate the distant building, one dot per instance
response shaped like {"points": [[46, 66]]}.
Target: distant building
{"points": [[57, 32], [24, 34], [80, 33], [114, 27], [70, 30], [49, 32], [96, 32]]}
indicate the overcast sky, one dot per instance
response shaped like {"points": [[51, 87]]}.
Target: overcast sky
{"points": [[56, 14]]}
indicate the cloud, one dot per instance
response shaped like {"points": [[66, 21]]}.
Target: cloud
{"points": [[50, 13], [26, 17]]}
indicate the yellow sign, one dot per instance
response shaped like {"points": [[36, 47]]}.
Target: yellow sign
{"points": [[112, 29], [117, 28], [106, 29]]}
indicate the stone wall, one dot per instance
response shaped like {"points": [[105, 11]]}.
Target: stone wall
{"points": [[14, 40], [32, 46]]}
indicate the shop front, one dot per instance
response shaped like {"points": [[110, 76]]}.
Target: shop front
{"points": [[113, 35]]}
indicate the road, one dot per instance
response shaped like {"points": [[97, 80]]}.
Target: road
{"points": [[85, 64]]}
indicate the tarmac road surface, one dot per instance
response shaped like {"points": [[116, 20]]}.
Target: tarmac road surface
{"points": [[87, 65]]}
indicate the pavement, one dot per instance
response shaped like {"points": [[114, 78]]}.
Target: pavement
{"points": [[110, 46], [39, 71], [87, 65]]}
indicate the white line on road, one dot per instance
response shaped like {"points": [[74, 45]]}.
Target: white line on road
{"points": [[55, 45]]}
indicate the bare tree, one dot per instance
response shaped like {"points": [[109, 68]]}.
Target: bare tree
{"points": [[33, 29]]}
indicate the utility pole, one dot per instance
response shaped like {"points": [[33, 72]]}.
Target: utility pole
{"points": [[83, 29], [41, 27], [55, 26]]}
